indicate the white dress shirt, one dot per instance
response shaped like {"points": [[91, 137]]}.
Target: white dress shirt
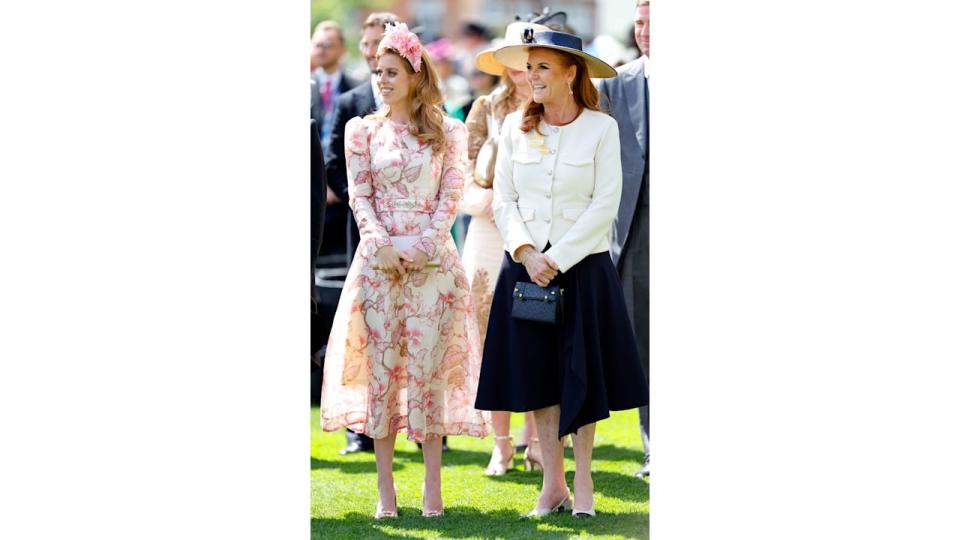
{"points": [[562, 187], [377, 98]]}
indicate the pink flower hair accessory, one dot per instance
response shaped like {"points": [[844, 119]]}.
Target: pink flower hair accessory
{"points": [[405, 42]]}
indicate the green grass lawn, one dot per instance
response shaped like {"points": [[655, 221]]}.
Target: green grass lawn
{"points": [[344, 493]]}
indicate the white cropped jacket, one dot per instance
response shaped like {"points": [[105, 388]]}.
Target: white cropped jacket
{"points": [[562, 187]]}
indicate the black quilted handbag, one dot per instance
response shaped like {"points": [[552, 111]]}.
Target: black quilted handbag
{"points": [[534, 303]]}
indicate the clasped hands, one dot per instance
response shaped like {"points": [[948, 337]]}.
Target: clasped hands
{"points": [[540, 267], [390, 259]]}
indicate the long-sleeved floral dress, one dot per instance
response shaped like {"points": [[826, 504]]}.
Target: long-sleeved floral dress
{"points": [[404, 351]]}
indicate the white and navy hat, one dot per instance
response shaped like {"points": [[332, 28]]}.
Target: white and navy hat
{"points": [[515, 56], [485, 59]]}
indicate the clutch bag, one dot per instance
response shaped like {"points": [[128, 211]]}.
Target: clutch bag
{"points": [[540, 304]]}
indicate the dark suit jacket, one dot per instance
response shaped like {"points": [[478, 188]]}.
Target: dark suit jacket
{"points": [[356, 102], [625, 97], [318, 192], [316, 102], [318, 205]]}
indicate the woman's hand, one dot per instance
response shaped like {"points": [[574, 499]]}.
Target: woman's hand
{"points": [[388, 259], [413, 259], [541, 268]]}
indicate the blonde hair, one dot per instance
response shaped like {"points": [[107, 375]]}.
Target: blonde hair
{"points": [[425, 101], [585, 94], [505, 102]]}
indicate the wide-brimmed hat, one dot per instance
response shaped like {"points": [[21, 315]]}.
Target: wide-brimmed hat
{"points": [[485, 59], [515, 56]]}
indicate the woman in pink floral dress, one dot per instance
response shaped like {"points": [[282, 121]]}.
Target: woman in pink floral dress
{"points": [[404, 349]]}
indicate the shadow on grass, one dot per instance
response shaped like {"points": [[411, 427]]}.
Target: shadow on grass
{"points": [[464, 522], [453, 457], [363, 462], [349, 467], [610, 484], [610, 452]]}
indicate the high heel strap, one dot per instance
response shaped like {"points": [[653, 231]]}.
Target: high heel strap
{"points": [[380, 513], [564, 506], [429, 513], [584, 513]]}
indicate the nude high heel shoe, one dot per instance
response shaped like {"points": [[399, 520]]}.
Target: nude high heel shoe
{"points": [[429, 513], [564, 506], [584, 513], [499, 463], [381, 513]]}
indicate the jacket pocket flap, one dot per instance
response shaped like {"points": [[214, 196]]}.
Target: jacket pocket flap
{"points": [[526, 213], [577, 162], [520, 157], [573, 213]]}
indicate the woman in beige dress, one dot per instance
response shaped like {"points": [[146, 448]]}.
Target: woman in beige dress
{"points": [[483, 247]]}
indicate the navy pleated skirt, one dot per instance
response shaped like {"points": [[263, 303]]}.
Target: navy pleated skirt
{"points": [[588, 364]]}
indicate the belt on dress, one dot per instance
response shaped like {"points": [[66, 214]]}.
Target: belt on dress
{"points": [[406, 205]]}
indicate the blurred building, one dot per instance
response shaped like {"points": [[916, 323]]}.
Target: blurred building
{"points": [[446, 17]]}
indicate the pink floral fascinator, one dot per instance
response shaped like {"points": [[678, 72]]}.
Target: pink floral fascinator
{"points": [[402, 40]]}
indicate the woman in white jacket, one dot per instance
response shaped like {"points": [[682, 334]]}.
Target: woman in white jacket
{"points": [[556, 193]]}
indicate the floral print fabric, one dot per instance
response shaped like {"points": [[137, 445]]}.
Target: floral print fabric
{"points": [[404, 351]]}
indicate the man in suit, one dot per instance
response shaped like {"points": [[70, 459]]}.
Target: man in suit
{"points": [[318, 204], [360, 101], [626, 98], [327, 79]]}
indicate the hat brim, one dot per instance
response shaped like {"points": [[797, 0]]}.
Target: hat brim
{"points": [[488, 64], [515, 56]]}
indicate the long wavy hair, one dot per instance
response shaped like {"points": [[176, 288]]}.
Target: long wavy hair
{"points": [[505, 102], [585, 95], [424, 101]]}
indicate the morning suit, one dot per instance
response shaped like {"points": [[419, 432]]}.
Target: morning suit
{"points": [[356, 102], [359, 101], [317, 111], [626, 98], [318, 203]]}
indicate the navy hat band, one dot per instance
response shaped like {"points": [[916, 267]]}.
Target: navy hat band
{"points": [[557, 39]]}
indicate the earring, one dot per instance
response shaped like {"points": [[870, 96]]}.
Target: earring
{"points": [[570, 87]]}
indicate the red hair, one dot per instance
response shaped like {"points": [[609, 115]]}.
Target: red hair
{"points": [[585, 95]]}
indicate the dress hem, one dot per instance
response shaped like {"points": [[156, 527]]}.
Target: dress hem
{"points": [[441, 430]]}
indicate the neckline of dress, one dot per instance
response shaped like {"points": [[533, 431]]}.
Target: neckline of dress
{"points": [[398, 125], [568, 124]]}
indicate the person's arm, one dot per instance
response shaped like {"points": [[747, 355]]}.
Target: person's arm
{"points": [[505, 195], [451, 189], [598, 217], [477, 200], [360, 182]]}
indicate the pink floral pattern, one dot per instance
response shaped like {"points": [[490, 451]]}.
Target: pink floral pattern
{"points": [[404, 352]]}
